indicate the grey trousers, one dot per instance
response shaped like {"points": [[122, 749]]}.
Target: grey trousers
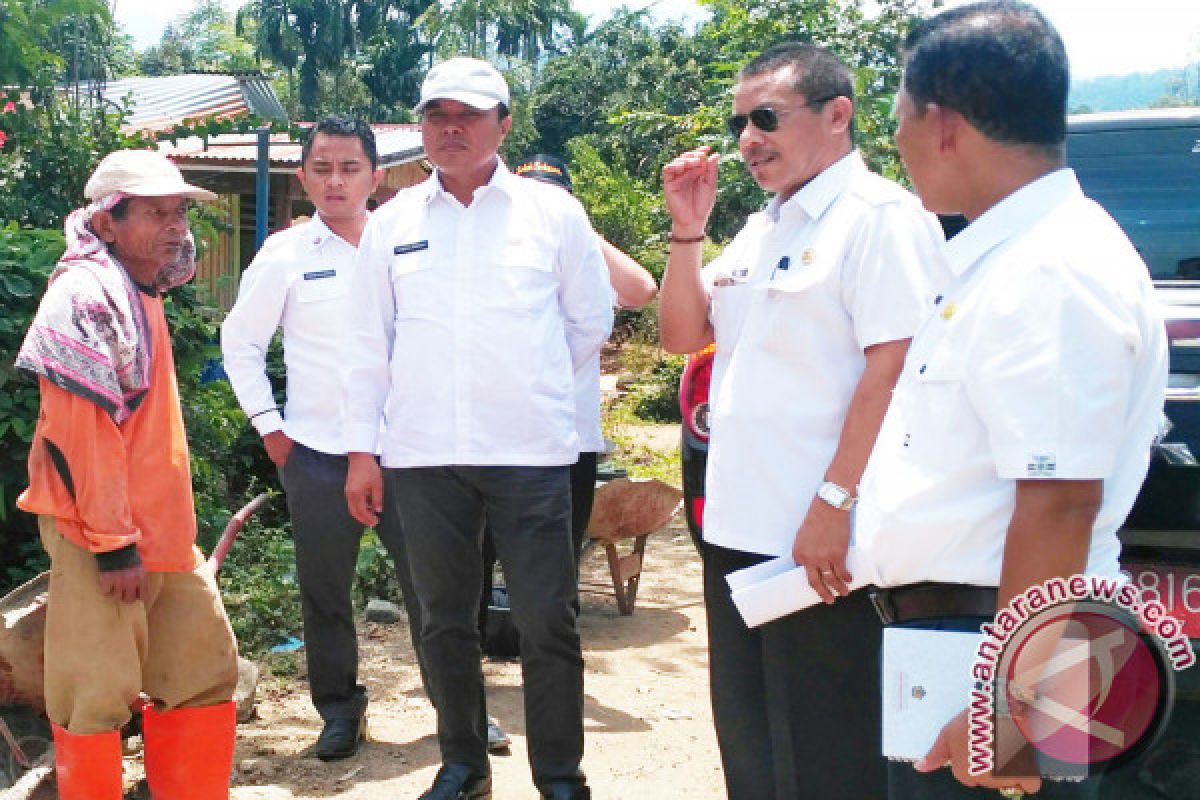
{"points": [[327, 540], [442, 511]]}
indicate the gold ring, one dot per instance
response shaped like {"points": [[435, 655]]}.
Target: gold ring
{"points": [[1012, 793]]}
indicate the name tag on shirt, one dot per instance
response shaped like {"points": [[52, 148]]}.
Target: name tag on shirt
{"points": [[411, 247], [316, 276], [738, 276]]}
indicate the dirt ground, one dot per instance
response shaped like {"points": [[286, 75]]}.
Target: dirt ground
{"points": [[648, 722]]}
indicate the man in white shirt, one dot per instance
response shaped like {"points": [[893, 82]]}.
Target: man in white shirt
{"points": [[476, 296], [299, 281], [633, 287], [1021, 426], [811, 307]]}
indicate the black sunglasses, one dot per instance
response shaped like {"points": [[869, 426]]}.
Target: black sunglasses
{"points": [[765, 118]]}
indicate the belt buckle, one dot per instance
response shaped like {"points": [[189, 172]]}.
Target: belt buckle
{"points": [[881, 599]]}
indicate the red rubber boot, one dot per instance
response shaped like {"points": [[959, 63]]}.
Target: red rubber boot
{"points": [[87, 767], [189, 752]]}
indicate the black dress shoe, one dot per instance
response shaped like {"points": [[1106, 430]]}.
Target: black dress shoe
{"points": [[565, 790], [459, 782], [341, 738]]}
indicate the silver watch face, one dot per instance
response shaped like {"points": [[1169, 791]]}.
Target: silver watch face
{"points": [[835, 495]]}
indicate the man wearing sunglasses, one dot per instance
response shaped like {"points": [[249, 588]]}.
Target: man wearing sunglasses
{"points": [[811, 307]]}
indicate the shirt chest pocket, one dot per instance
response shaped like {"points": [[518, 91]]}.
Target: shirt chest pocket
{"points": [[730, 303], [414, 284], [795, 279], [804, 279], [801, 307], [320, 286], [521, 277], [936, 403]]}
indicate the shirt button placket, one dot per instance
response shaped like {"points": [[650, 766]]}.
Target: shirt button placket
{"points": [[465, 264]]}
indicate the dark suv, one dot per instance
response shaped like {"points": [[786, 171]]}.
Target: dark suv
{"points": [[1144, 168]]}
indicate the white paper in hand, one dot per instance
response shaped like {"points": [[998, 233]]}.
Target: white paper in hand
{"points": [[776, 588]]}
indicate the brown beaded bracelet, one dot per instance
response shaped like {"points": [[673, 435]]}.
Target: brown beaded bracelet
{"points": [[671, 237]]}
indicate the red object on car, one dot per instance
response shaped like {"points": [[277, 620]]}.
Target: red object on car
{"points": [[693, 406], [693, 391]]}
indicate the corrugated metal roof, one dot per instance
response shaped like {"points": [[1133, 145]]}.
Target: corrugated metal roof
{"points": [[159, 103], [397, 144]]}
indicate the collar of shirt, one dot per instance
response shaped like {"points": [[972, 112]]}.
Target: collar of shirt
{"points": [[317, 233], [1012, 215], [816, 196], [502, 179]]}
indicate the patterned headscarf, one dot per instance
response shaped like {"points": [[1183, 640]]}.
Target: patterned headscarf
{"points": [[89, 335]]}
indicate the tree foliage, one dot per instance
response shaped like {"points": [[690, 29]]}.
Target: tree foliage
{"points": [[204, 38], [505, 30], [394, 52], [51, 145], [638, 93], [33, 34], [306, 38]]}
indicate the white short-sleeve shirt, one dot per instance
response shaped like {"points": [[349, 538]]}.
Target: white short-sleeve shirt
{"points": [[849, 261], [1047, 359]]}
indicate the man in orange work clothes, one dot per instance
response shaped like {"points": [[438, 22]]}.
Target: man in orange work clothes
{"points": [[132, 606]]}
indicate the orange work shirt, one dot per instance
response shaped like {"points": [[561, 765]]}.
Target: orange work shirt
{"points": [[115, 485]]}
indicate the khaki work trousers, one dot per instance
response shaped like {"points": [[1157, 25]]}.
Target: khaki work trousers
{"points": [[175, 645]]}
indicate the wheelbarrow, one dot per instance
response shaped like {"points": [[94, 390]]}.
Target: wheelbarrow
{"points": [[22, 637]]}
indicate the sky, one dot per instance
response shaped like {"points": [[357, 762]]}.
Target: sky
{"points": [[1103, 37]]}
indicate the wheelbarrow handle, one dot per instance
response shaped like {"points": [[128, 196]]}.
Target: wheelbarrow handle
{"points": [[233, 528]]}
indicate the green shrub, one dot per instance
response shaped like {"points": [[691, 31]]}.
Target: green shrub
{"points": [[26, 258], [52, 146], [258, 584], [656, 397], [375, 575]]}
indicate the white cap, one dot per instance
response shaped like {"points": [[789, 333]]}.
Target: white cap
{"points": [[467, 80], [142, 173]]}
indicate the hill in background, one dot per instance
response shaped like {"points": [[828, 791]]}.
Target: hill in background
{"points": [[1166, 87]]}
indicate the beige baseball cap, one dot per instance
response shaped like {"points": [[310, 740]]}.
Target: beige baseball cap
{"points": [[468, 80], [142, 173]]}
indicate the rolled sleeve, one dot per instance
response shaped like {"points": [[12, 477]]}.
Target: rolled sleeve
{"points": [[367, 347], [1052, 377]]}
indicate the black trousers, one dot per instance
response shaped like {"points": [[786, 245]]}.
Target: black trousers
{"points": [[326, 539], [583, 496], [796, 702], [442, 511]]}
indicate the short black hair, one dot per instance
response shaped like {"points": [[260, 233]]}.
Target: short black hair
{"points": [[999, 63], [343, 125], [818, 74]]}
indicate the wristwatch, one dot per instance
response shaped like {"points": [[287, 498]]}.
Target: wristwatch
{"points": [[837, 496]]}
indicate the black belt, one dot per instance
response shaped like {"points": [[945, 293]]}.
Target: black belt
{"points": [[932, 600]]}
